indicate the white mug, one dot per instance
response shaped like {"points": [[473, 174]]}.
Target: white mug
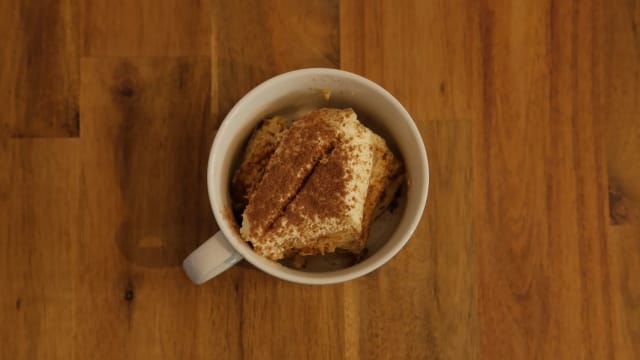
{"points": [[296, 92]]}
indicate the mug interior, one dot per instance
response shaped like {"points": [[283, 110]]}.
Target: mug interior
{"points": [[293, 94]]}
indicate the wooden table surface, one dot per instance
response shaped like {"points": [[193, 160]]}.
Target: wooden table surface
{"points": [[529, 247]]}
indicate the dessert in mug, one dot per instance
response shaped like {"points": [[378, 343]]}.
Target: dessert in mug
{"points": [[313, 186]]}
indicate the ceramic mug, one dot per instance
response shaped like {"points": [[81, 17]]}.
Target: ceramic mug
{"points": [[291, 94]]}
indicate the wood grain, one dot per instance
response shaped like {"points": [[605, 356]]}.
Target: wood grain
{"points": [[528, 247], [283, 35], [452, 315], [541, 186], [620, 94], [145, 142], [424, 52], [39, 237], [39, 69], [146, 27]]}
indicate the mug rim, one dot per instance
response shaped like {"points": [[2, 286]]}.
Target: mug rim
{"points": [[273, 268]]}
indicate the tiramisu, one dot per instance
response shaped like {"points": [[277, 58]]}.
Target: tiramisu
{"points": [[313, 186]]}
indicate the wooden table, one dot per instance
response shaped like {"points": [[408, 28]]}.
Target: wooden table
{"points": [[529, 246]]}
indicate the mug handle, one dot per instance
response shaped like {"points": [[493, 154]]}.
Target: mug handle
{"points": [[210, 259]]}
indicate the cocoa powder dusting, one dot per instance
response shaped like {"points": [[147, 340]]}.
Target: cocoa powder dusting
{"points": [[323, 196], [296, 156]]}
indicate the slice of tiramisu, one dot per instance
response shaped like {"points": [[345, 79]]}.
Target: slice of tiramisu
{"points": [[327, 212], [321, 187], [307, 141]]}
